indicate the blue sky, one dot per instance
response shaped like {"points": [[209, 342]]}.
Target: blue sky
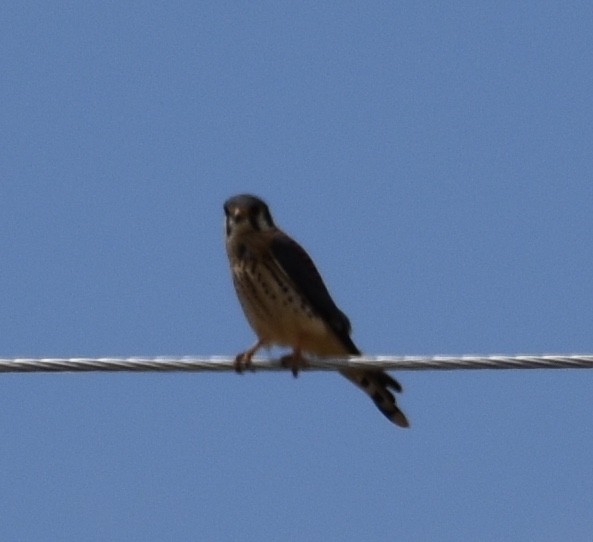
{"points": [[437, 162]]}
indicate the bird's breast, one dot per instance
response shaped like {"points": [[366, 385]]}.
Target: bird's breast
{"points": [[277, 312]]}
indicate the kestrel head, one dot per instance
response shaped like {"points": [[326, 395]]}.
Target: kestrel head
{"points": [[247, 213]]}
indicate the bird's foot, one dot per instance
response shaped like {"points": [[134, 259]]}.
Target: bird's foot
{"points": [[243, 361], [295, 362]]}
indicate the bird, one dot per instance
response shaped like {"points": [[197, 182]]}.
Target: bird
{"points": [[287, 303]]}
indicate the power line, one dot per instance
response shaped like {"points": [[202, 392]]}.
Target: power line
{"points": [[225, 363]]}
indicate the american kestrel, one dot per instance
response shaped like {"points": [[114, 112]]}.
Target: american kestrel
{"points": [[287, 303]]}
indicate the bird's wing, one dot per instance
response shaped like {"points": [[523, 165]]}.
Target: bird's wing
{"points": [[301, 270]]}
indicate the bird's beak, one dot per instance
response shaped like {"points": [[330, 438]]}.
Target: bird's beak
{"points": [[237, 213]]}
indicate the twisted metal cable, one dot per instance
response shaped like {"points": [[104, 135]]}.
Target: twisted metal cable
{"points": [[223, 363]]}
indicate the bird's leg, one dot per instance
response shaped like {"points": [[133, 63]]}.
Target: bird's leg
{"points": [[243, 360], [295, 361]]}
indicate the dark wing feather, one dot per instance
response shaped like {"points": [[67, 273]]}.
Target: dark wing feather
{"points": [[301, 270]]}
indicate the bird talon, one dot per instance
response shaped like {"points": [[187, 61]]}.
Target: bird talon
{"points": [[243, 362], [295, 362]]}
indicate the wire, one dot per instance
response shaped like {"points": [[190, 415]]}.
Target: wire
{"points": [[222, 363]]}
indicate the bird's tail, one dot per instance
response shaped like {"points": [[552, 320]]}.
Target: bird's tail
{"points": [[376, 384]]}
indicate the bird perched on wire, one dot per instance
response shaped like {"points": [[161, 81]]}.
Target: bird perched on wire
{"points": [[287, 303]]}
